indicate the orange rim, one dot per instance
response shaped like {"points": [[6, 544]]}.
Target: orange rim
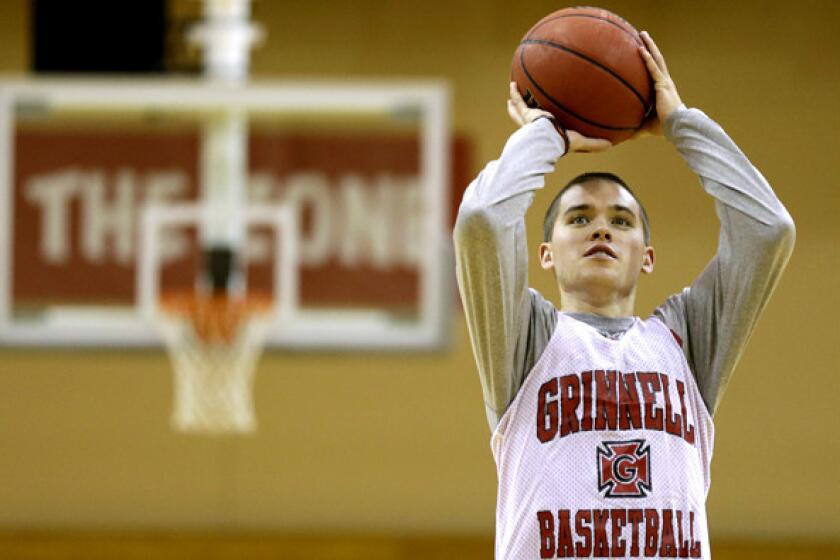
{"points": [[215, 318]]}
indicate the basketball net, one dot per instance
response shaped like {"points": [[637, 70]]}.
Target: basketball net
{"points": [[214, 343]]}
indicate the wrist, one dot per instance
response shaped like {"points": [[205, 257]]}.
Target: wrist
{"points": [[560, 130]]}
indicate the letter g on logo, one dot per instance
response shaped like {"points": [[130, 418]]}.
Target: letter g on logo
{"points": [[624, 469]]}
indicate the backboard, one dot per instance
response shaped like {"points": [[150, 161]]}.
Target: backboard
{"points": [[101, 192]]}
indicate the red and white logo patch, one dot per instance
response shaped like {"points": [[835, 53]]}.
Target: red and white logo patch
{"points": [[624, 468]]}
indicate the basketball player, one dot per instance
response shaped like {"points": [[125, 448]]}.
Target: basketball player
{"points": [[602, 421]]}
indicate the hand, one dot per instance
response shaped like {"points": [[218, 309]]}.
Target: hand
{"points": [[520, 112], [522, 115], [667, 98]]}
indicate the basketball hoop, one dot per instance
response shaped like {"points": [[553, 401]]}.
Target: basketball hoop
{"points": [[214, 342]]}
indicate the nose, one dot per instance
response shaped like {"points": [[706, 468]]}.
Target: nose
{"points": [[601, 233]]}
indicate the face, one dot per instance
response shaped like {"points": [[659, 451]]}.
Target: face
{"points": [[597, 249]]}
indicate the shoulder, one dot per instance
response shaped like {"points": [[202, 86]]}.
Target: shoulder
{"points": [[542, 311], [672, 315], [672, 312], [538, 328]]}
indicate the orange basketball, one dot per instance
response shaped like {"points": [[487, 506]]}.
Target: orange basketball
{"points": [[583, 66]]}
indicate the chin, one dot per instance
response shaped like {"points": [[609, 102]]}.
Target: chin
{"points": [[601, 276], [601, 280]]}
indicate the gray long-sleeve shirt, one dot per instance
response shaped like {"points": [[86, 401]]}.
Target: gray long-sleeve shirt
{"points": [[510, 324]]}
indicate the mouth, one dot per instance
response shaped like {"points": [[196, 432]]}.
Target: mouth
{"points": [[600, 251]]}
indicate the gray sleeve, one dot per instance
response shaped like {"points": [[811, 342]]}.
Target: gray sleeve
{"points": [[717, 313], [508, 324]]}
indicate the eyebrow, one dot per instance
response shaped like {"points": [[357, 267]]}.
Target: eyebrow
{"points": [[585, 207]]}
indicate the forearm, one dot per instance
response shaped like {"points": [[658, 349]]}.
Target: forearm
{"points": [[717, 314], [491, 257]]}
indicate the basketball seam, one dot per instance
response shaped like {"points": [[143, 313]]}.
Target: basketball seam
{"points": [[607, 20], [563, 107], [613, 73]]}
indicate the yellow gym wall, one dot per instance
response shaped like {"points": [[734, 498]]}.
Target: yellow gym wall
{"points": [[397, 443]]}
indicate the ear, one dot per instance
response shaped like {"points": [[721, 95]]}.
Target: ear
{"points": [[546, 258], [648, 259]]}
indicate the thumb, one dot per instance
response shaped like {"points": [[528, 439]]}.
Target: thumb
{"points": [[592, 145]]}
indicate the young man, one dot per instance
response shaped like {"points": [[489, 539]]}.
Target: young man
{"points": [[602, 430]]}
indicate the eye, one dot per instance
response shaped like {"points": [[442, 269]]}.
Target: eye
{"points": [[618, 220], [578, 220]]}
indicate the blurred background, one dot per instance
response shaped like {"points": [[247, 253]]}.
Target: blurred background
{"points": [[383, 452]]}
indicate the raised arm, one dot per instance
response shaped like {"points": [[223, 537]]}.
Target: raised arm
{"points": [[508, 324], [716, 315]]}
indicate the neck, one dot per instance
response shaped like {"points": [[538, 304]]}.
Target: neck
{"points": [[606, 305]]}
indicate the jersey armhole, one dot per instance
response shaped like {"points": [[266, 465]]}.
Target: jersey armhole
{"points": [[678, 339], [497, 438]]}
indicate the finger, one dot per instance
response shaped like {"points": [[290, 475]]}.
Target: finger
{"points": [[514, 94], [654, 50], [515, 100], [596, 145], [518, 102], [657, 54], [652, 67], [585, 144]]}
